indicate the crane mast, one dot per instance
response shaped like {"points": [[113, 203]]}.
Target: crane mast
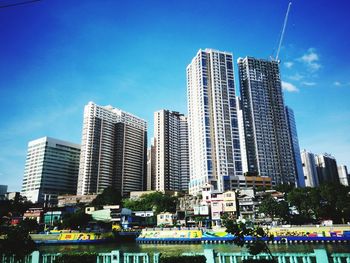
{"points": [[283, 30]]}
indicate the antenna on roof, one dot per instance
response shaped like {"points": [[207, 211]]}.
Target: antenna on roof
{"points": [[283, 30]]}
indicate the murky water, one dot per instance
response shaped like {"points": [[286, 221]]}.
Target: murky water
{"points": [[177, 249]]}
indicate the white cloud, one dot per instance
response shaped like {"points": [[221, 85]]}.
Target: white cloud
{"points": [[296, 77], [288, 64], [289, 87], [306, 83], [341, 84], [311, 60]]}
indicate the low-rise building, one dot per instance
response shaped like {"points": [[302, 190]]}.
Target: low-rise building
{"points": [[73, 200], [246, 204], [34, 213], [109, 213], [52, 218], [166, 219]]}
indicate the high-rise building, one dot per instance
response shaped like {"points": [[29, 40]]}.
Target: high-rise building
{"points": [[214, 147], [51, 169], [295, 147], [114, 151], [268, 145], [309, 169], [327, 169], [3, 191], [171, 151], [343, 175], [151, 167], [241, 135]]}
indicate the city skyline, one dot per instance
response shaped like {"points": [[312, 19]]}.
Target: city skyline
{"points": [[65, 59]]}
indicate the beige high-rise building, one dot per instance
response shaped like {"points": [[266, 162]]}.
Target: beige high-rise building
{"points": [[113, 151], [171, 151]]}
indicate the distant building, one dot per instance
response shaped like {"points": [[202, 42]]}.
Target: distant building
{"points": [[73, 200], [171, 151], [34, 213], [12, 195], [214, 146], [51, 169], [309, 169], [300, 182], [327, 169], [114, 151], [3, 191], [151, 167], [243, 182], [343, 175], [267, 138], [241, 135]]}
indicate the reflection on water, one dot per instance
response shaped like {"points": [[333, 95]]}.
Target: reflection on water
{"points": [[181, 248]]}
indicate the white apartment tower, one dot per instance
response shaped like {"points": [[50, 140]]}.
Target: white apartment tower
{"points": [[214, 146], [268, 144], [309, 169], [171, 151], [343, 175], [113, 151], [51, 169], [241, 135]]}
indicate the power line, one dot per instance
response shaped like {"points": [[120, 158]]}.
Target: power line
{"points": [[20, 3]]}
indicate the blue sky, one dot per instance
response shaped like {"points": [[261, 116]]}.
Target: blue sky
{"points": [[57, 55]]}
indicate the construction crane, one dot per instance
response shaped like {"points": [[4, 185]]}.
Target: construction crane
{"points": [[283, 30]]}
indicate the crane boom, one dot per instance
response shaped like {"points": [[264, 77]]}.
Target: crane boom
{"points": [[283, 29]]}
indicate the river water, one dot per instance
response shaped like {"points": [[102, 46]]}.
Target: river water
{"points": [[177, 249]]}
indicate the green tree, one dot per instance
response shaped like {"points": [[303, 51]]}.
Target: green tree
{"points": [[109, 196], [306, 200], [29, 225], [78, 220], [273, 208], [157, 202], [241, 230], [335, 202], [284, 188], [17, 241]]}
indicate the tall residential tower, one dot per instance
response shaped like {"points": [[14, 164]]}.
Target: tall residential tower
{"points": [[171, 151], [214, 147], [268, 144], [113, 151]]}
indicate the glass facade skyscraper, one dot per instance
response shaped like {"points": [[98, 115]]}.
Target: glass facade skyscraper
{"points": [[268, 144], [51, 169], [295, 147]]}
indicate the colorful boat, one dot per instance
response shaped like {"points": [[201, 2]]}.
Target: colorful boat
{"points": [[280, 235], [72, 237]]}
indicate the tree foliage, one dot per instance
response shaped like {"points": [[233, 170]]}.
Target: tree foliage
{"points": [[284, 188], [329, 201], [156, 202], [240, 231], [78, 220], [273, 208], [14, 207], [109, 196], [16, 242]]}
